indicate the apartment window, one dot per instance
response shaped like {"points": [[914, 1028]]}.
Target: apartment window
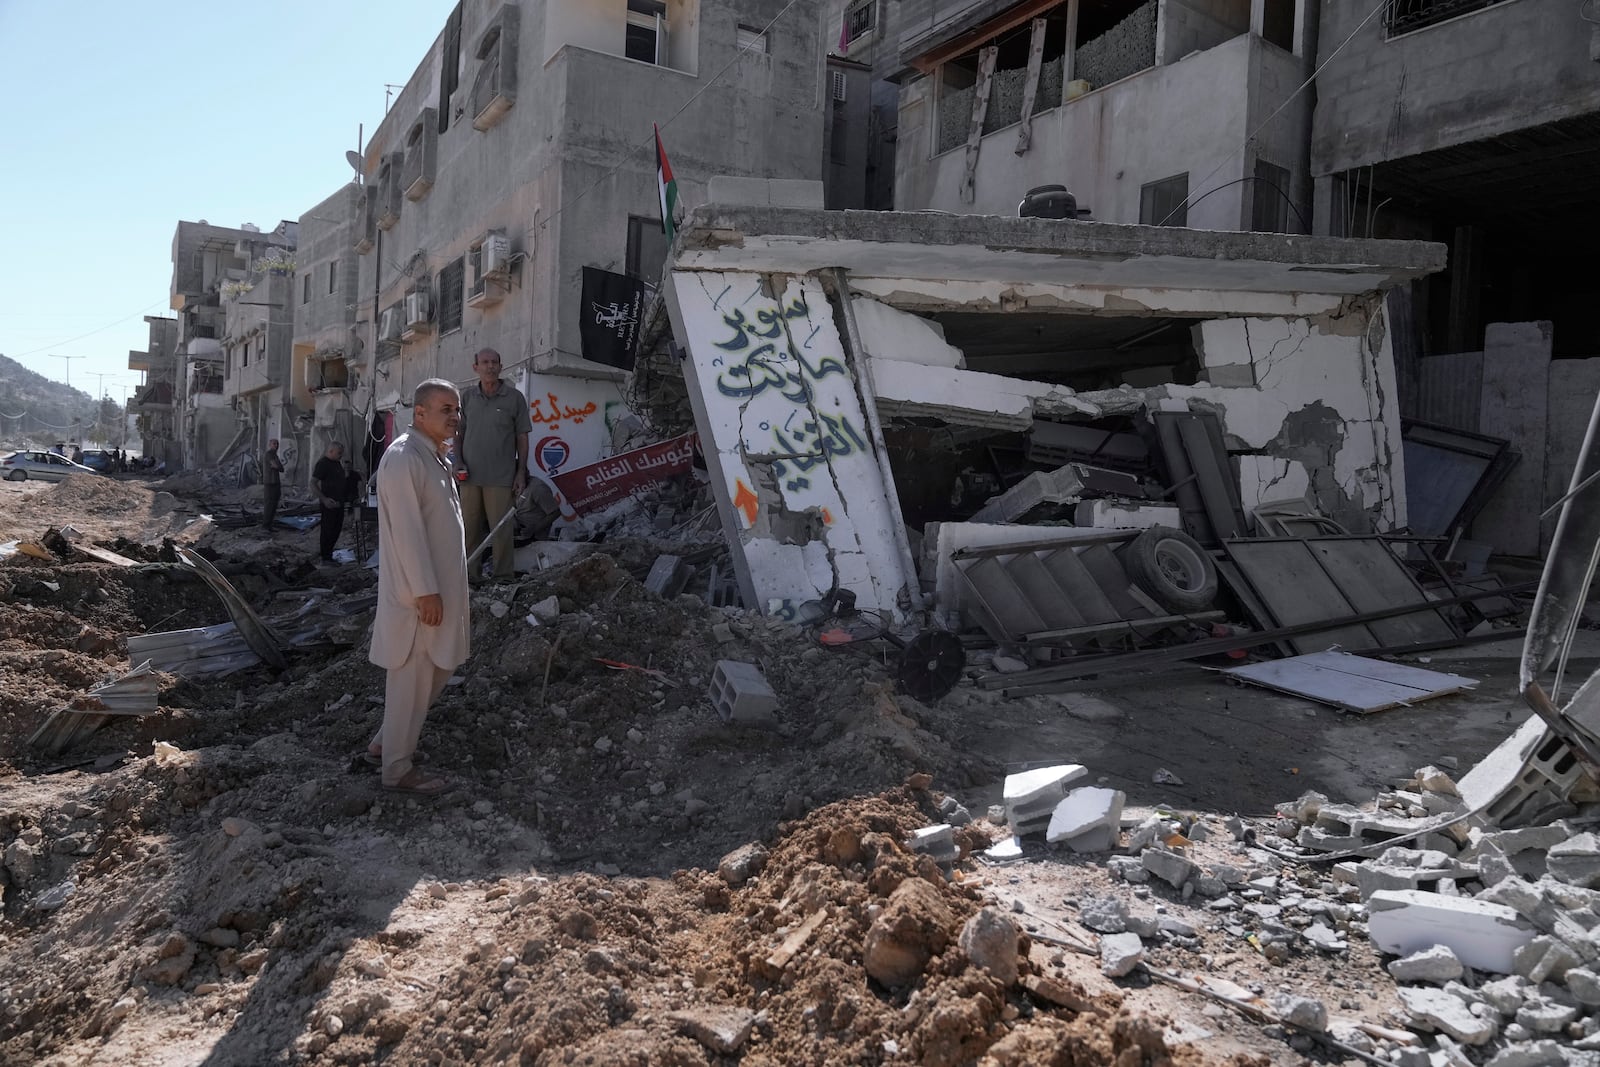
{"points": [[1270, 212], [1403, 16], [261, 347], [752, 39], [449, 66], [451, 297], [244, 354], [333, 277], [1165, 203], [305, 288], [646, 31], [647, 249], [1277, 24], [859, 20]]}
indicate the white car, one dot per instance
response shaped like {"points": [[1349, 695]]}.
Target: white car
{"points": [[45, 466]]}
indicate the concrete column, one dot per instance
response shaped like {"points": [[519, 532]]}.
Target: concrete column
{"points": [[1325, 192], [786, 440], [1515, 405]]}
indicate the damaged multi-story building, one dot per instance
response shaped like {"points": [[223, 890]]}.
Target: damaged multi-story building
{"points": [[863, 384], [224, 323], [518, 158], [155, 415], [1161, 112]]}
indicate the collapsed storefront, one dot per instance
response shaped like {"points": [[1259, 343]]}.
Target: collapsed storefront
{"points": [[858, 378]]}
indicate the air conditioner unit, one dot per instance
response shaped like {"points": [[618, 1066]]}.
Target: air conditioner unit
{"points": [[495, 255], [389, 324], [417, 309], [839, 85], [485, 291]]}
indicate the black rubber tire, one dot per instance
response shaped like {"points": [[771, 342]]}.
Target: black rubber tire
{"points": [[18, 475], [1172, 568]]}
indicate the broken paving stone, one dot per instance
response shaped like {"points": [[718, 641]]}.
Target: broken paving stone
{"points": [[723, 1030], [1176, 927], [1544, 957], [1105, 915], [1127, 868], [1306, 1013], [1584, 984], [1484, 935], [1170, 867], [1120, 954], [989, 939], [1086, 819], [1438, 1010], [1437, 964], [1544, 1016], [1576, 861], [1324, 938], [1505, 995], [1545, 1053], [1008, 849]]}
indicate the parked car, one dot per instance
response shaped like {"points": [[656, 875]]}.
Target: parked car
{"points": [[99, 460], [45, 466]]}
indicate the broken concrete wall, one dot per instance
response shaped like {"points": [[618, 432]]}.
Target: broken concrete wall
{"points": [[1311, 404], [790, 452], [1516, 359]]}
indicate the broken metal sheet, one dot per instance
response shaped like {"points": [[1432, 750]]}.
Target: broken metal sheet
{"points": [[205, 652], [1303, 580], [1449, 475], [1194, 460], [134, 693], [1351, 683], [262, 640]]}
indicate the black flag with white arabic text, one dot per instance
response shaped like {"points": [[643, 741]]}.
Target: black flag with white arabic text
{"points": [[613, 305]]}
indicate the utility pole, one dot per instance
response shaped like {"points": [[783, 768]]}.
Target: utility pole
{"points": [[69, 360]]}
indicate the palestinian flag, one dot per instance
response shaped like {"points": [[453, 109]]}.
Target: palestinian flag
{"points": [[667, 185]]}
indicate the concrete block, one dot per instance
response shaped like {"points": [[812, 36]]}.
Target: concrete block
{"points": [[1438, 1010], [1083, 810], [1483, 935], [937, 841], [1437, 965], [1120, 954], [668, 575], [1576, 861], [1031, 797], [1041, 488], [1125, 515], [1171, 868], [1544, 957], [741, 694]]}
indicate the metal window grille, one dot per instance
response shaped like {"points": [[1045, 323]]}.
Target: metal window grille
{"points": [[1403, 16], [451, 279], [860, 20]]}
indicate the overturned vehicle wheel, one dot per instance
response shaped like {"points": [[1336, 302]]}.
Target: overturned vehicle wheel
{"points": [[1172, 568]]}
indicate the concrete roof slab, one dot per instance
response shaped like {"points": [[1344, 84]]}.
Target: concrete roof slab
{"points": [[992, 248]]}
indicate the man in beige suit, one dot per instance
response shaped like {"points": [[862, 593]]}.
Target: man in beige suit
{"points": [[420, 633]]}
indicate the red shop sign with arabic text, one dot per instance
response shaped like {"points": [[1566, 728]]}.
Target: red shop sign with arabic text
{"points": [[599, 485]]}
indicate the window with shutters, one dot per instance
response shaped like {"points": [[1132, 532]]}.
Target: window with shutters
{"points": [[451, 297]]}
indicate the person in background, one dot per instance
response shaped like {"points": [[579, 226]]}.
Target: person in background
{"points": [[491, 456], [421, 630], [328, 479], [271, 484]]}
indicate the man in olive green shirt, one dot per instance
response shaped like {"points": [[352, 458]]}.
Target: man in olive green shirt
{"points": [[491, 456]]}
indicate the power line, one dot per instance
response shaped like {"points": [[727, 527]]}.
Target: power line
{"points": [[1275, 111], [91, 333]]}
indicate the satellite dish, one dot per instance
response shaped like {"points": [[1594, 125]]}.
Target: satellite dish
{"points": [[357, 163]]}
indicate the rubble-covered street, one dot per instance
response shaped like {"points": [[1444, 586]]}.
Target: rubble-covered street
{"points": [[622, 876]]}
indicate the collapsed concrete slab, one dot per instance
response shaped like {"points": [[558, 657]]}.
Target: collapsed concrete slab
{"points": [[1481, 934]]}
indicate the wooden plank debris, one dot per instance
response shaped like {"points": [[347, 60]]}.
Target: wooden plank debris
{"points": [[980, 109], [796, 940], [1351, 683], [1030, 88]]}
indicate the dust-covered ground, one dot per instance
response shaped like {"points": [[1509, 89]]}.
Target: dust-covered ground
{"points": [[237, 889]]}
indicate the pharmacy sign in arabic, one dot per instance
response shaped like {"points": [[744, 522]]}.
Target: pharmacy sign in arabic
{"points": [[599, 485]]}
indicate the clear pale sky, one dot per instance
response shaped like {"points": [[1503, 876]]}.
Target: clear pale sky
{"points": [[123, 118]]}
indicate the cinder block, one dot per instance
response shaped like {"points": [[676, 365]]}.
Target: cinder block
{"points": [[1085, 810], [668, 575], [1482, 934], [937, 841], [741, 694]]}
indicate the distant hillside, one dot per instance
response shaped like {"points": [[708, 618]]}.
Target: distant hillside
{"points": [[34, 409]]}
